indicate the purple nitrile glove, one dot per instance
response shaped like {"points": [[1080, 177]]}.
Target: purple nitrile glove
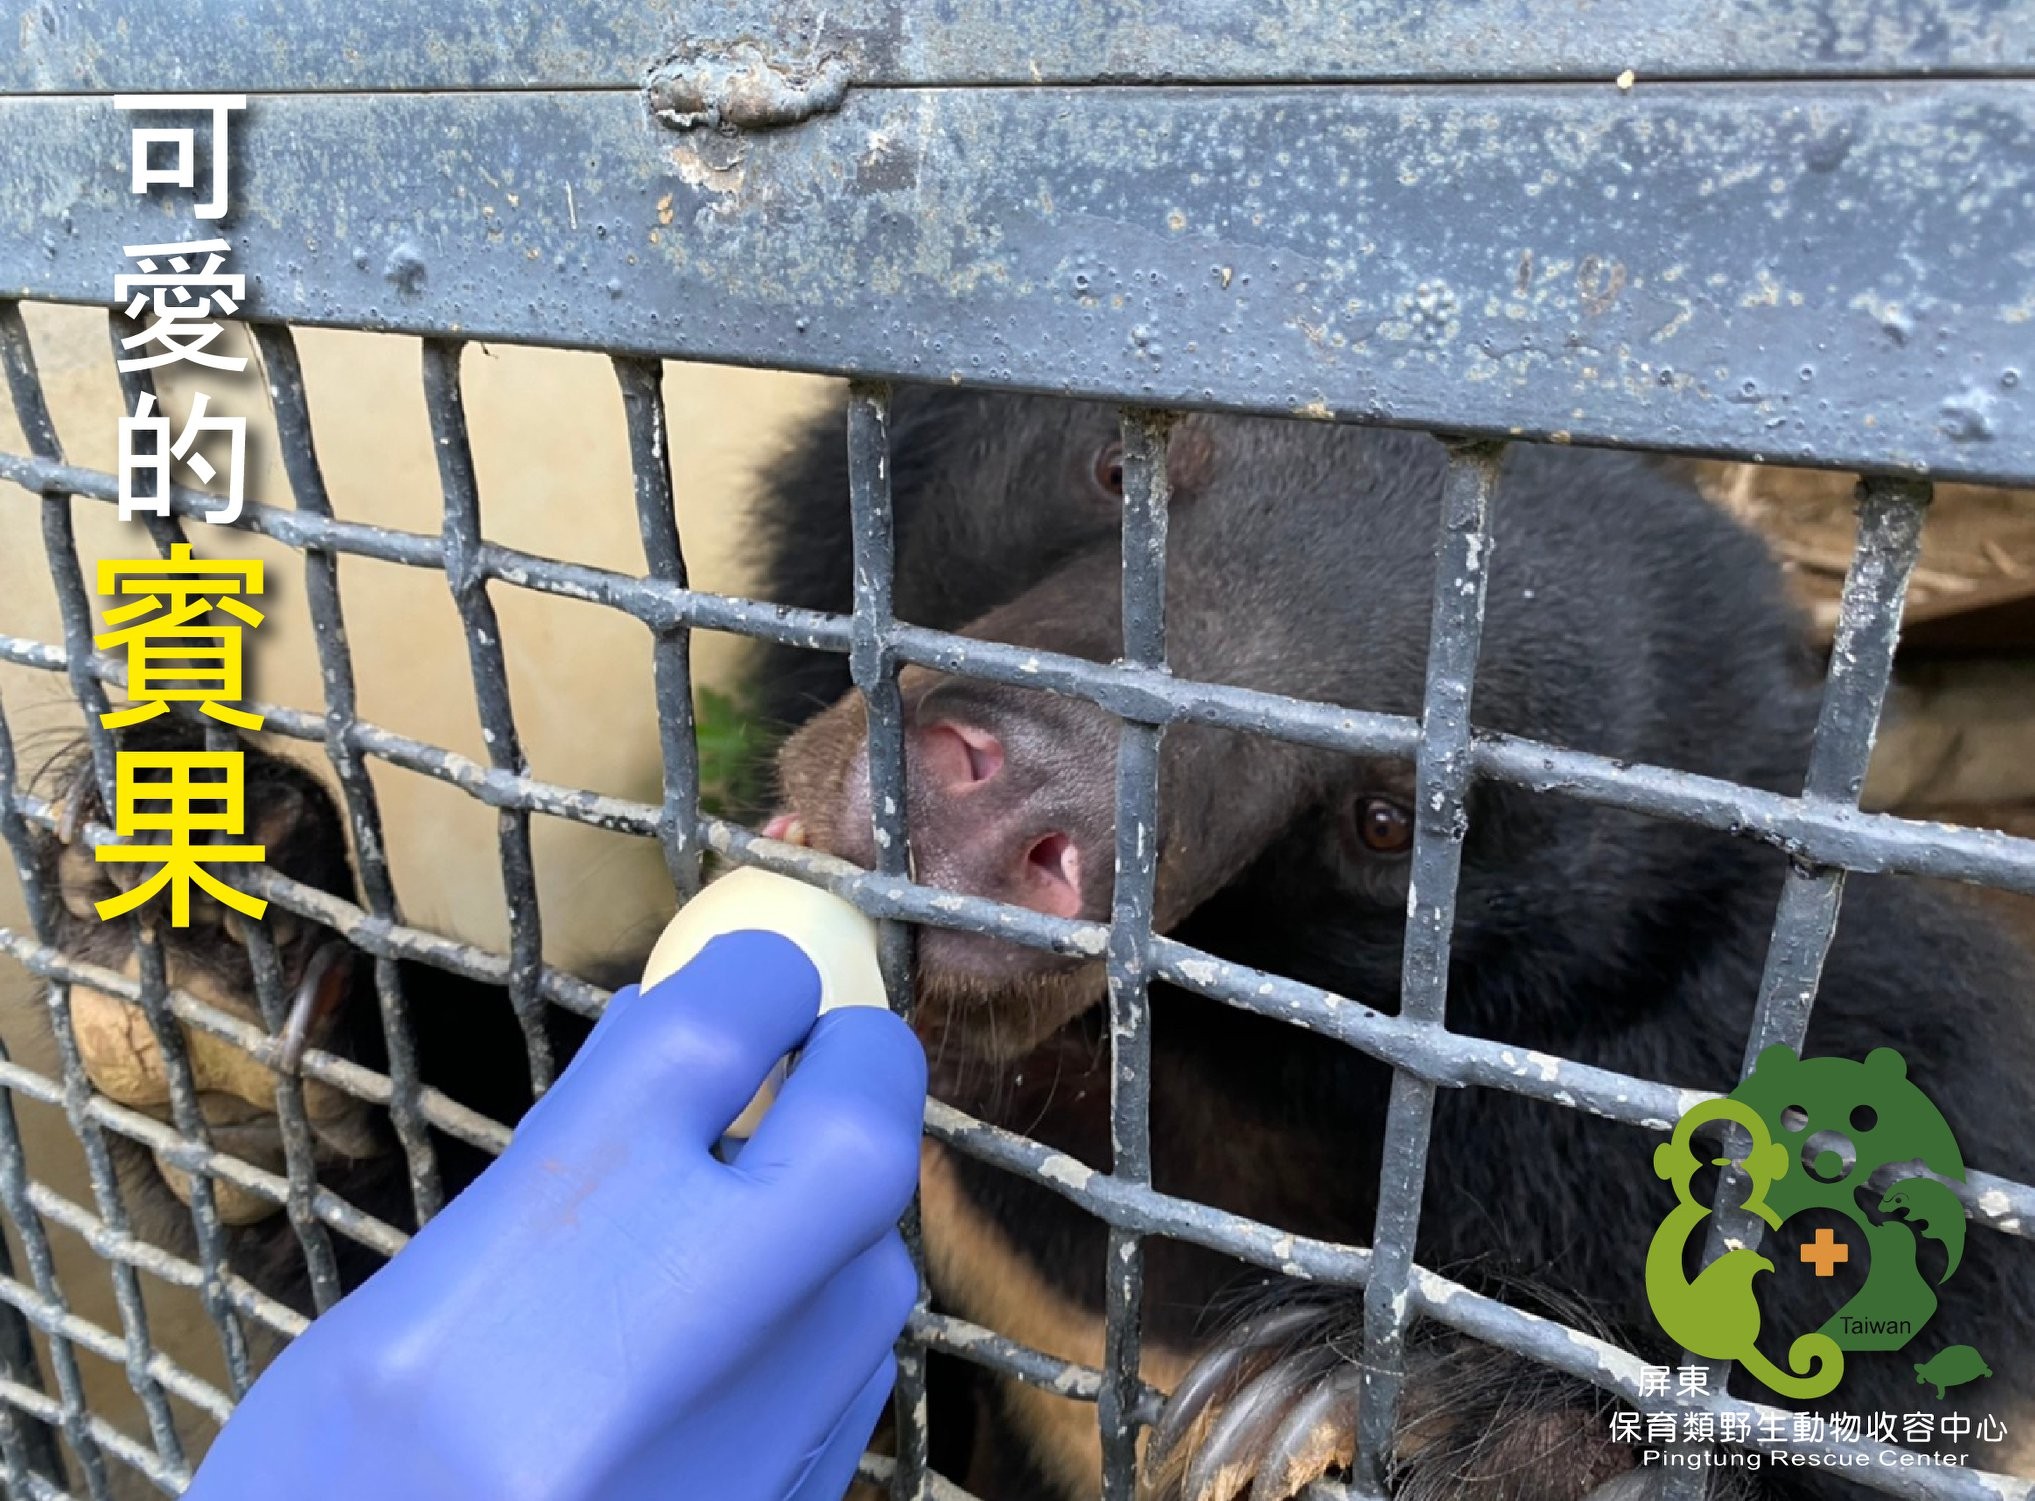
{"points": [[610, 1311]]}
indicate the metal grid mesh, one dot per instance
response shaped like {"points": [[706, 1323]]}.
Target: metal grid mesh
{"points": [[1822, 831]]}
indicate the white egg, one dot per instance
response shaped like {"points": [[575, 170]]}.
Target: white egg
{"points": [[836, 936]]}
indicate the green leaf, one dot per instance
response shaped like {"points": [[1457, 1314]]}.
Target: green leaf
{"points": [[732, 745]]}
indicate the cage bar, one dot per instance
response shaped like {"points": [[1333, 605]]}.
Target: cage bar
{"points": [[642, 383], [1822, 831], [1859, 841], [27, 1449], [1861, 667], [1441, 819], [1445, 1057], [873, 667], [190, 1123], [195, 1156], [339, 730], [466, 572], [1146, 492], [31, 1447], [294, 1127], [32, 412], [72, 1416], [872, 661], [447, 1115], [66, 574], [1818, 833], [300, 1166], [115, 1443]]}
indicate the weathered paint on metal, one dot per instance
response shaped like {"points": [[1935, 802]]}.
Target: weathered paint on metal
{"points": [[1845, 278], [80, 46], [1444, 774], [743, 87]]}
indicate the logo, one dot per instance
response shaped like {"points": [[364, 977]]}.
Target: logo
{"points": [[1794, 1114]]}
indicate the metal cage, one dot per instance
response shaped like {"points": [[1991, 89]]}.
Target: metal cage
{"points": [[1800, 233]]}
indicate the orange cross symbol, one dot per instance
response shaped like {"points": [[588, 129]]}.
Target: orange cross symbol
{"points": [[1825, 1252]]}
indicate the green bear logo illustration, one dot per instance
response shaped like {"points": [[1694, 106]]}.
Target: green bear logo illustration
{"points": [[1783, 1108], [1717, 1315]]}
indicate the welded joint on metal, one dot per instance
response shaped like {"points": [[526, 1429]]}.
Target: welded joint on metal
{"points": [[872, 659], [984, 1347], [741, 86]]}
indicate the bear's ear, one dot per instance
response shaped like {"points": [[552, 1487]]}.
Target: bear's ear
{"points": [[1885, 1063]]}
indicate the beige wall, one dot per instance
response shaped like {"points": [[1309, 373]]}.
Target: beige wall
{"points": [[551, 450]]}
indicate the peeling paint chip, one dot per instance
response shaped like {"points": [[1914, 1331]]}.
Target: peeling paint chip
{"points": [[1059, 1169]]}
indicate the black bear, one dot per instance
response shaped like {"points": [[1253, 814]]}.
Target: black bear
{"points": [[1626, 616]]}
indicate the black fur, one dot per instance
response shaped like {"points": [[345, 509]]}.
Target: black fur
{"points": [[1627, 617]]}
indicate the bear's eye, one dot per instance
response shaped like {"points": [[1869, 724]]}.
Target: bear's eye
{"points": [[1108, 468], [1382, 826]]}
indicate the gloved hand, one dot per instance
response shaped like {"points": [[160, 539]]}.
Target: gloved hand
{"points": [[610, 1311]]}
